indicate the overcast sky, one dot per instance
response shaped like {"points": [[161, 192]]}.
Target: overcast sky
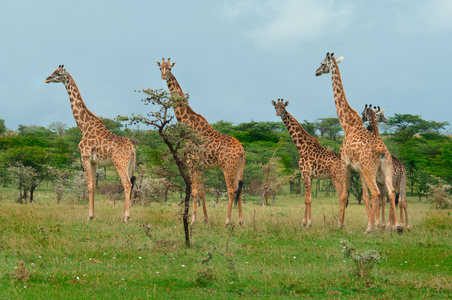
{"points": [[233, 57]]}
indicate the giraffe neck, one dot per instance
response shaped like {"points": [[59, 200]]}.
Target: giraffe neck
{"points": [[82, 115], [373, 123], [184, 113], [299, 136], [348, 117]]}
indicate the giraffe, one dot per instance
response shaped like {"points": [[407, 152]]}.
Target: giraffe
{"points": [[221, 151], [362, 150], [315, 161], [374, 116], [98, 147]]}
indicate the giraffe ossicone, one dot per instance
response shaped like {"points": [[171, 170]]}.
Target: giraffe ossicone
{"points": [[98, 146]]}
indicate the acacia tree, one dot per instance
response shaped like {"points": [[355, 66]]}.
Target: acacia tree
{"points": [[329, 126], [182, 142]]}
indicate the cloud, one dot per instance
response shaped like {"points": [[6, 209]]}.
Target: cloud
{"points": [[425, 17], [276, 24]]}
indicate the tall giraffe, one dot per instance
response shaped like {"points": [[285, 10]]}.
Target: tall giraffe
{"points": [[221, 151], [315, 161], [98, 147], [361, 149], [399, 179]]}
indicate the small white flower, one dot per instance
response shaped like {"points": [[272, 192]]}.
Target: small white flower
{"points": [[139, 257], [105, 253], [246, 262], [78, 278], [25, 286], [183, 266], [157, 272], [39, 256], [343, 261], [406, 262], [294, 257], [114, 257], [122, 279], [32, 264], [90, 259], [437, 265], [231, 282]]}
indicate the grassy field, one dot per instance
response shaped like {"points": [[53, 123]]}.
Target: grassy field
{"points": [[50, 251]]}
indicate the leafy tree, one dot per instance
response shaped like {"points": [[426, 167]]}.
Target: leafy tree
{"points": [[58, 127], [24, 177], [329, 126], [113, 126], [182, 142], [3, 128], [405, 126]]}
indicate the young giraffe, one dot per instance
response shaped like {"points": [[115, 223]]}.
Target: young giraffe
{"points": [[98, 145], [221, 151], [362, 150], [315, 161], [399, 179]]}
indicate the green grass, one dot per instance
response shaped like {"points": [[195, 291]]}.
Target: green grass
{"points": [[66, 256]]}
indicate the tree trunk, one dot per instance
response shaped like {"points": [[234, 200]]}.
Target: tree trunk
{"points": [[32, 191]]}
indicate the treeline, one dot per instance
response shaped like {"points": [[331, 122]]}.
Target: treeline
{"points": [[33, 154]]}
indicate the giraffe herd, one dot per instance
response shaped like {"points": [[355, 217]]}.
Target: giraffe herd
{"points": [[362, 149]]}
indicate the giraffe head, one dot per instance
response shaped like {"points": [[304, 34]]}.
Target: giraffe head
{"points": [[379, 114], [60, 75], [165, 67], [327, 63], [280, 107]]}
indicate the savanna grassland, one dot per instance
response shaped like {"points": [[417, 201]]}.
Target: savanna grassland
{"points": [[51, 251]]}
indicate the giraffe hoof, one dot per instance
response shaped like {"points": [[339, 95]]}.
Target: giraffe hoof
{"points": [[368, 230], [241, 222], [90, 218], [125, 219], [399, 229]]}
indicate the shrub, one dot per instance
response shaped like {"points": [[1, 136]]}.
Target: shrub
{"points": [[364, 262]]}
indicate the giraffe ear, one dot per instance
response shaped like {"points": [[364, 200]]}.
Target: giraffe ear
{"points": [[287, 103], [381, 111], [159, 64], [340, 59], [173, 64], [274, 103]]}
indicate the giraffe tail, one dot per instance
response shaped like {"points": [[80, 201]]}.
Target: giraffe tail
{"points": [[397, 195], [238, 192]]}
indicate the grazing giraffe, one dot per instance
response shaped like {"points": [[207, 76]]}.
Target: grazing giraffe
{"points": [[315, 161], [221, 151], [98, 147], [362, 150], [374, 116]]}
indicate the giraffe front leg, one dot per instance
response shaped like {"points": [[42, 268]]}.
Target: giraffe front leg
{"points": [[194, 192], [343, 196], [307, 201], [90, 172]]}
